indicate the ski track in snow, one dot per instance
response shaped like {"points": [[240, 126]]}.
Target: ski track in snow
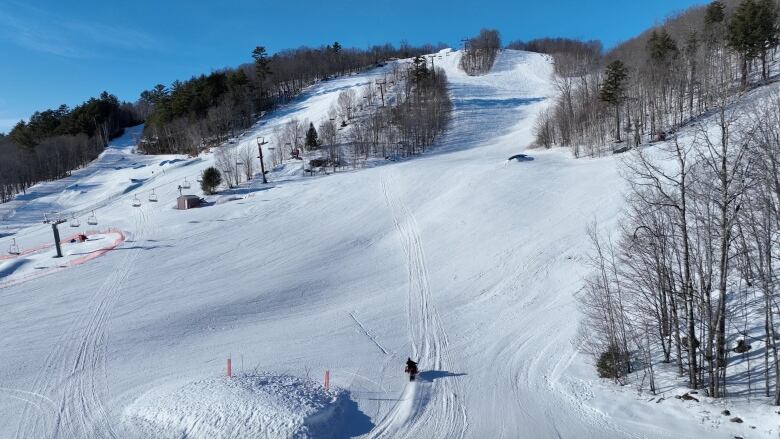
{"points": [[75, 371], [368, 334], [438, 404]]}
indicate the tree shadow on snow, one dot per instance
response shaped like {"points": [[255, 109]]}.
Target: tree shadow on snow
{"points": [[431, 375]]}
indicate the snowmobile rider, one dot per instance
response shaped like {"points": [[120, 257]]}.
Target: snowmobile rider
{"points": [[411, 366]]}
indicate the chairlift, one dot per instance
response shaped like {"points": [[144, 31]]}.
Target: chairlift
{"points": [[92, 220], [185, 184], [74, 222], [14, 248], [136, 202], [153, 197]]}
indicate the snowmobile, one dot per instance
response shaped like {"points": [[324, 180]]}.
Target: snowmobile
{"points": [[411, 369]]}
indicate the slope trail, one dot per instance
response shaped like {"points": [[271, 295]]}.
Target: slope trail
{"points": [[75, 373], [436, 404]]}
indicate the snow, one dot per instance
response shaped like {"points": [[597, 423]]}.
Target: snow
{"points": [[40, 261], [247, 406], [460, 259]]}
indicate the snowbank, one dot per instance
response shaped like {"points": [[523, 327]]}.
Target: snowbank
{"points": [[249, 406]]}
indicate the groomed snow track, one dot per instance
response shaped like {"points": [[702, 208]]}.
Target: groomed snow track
{"points": [[437, 404]]}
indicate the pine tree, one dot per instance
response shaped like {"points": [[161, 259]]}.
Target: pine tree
{"points": [[662, 47], [210, 180], [613, 90], [419, 67], [311, 138], [752, 31], [714, 19], [715, 13], [21, 135], [262, 68], [766, 30]]}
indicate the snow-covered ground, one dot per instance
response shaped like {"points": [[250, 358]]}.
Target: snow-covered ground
{"points": [[460, 259], [246, 406]]}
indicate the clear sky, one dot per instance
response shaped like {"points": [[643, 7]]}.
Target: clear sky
{"points": [[63, 52]]}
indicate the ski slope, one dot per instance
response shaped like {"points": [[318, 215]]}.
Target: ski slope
{"points": [[459, 259]]}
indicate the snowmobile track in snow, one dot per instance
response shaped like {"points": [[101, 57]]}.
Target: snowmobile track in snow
{"points": [[436, 405], [75, 371]]}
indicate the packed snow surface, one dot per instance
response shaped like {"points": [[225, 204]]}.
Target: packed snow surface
{"points": [[460, 259]]}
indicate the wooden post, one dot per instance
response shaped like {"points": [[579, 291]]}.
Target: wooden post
{"points": [[327, 380], [229, 368]]}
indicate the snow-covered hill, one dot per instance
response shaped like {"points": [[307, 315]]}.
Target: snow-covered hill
{"points": [[460, 259]]}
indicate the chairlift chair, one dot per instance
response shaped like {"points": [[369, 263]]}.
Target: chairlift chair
{"points": [[153, 197], [14, 248], [185, 184], [74, 222], [92, 220], [136, 202]]}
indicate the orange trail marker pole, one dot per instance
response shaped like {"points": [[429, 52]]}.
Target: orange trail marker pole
{"points": [[229, 368]]}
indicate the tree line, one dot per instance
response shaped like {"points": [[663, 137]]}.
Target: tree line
{"points": [[186, 117], [399, 114], [480, 52], [689, 282], [647, 87], [205, 111], [54, 142], [691, 279]]}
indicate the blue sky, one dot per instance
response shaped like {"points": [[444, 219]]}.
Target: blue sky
{"points": [[63, 52]]}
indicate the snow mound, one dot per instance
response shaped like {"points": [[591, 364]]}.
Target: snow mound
{"points": [[250, 406]]}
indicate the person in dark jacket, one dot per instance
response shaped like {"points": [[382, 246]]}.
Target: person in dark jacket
{"points": [[411, 368]]}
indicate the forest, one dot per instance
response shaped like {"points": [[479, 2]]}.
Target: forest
{"points": [[690, 282], [187, 117], [398, 115], [647, 87], [205, 111], [54, 142]]}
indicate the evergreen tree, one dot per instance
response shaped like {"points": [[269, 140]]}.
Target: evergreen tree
{"points": [[714, 14], [336, 47], [661, 47], [752, 32], [766, 30], [159, 93], [210, 180], [419, 67], [714, 18], [21, 135], [613, 90], [311, 138], [262, 68]]}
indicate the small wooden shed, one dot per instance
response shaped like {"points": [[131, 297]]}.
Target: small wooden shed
{"points": [[185, 202]]}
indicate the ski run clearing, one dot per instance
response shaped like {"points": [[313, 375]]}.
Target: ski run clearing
{"points": [[460, 259]]}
